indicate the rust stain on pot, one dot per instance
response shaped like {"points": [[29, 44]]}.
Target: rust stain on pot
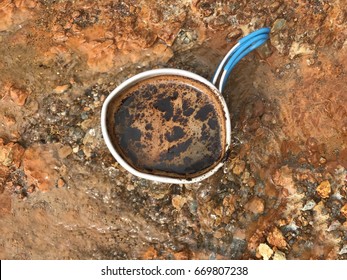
{"points": [[168, 125]]}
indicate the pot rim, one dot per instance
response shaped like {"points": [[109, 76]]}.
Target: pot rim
{"points": [[163, 72]]}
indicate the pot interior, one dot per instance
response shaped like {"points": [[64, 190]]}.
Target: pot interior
{"points": [[169, 126]]}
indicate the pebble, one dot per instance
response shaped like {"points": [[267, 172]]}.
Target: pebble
{"points": [[277, 42], [275, 238], [309, 205], [255, 205], [343, 210], [178, 201], [18, 96], [298, 49], [130, 187], [150, 254], [251, 182], [219, 233], [89, 137], [284, 178], [343, 250], [322, 160], [275, 5], [10, 154], [278, 25], [239, 167], [204, 193], [64, 152], [60, 183], [279, 256], [229, 204], [334, 226], [86, 124], [84, 116], [324, 189], [220, 21], [9, 120], [61, 89], [5, 156], [87, 151], [312, 144], [76, 133], [310, 61], [233, 35], [264, 251], [40, 166]]}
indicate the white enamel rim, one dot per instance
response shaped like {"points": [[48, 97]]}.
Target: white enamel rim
{"points": [[153, 73]]}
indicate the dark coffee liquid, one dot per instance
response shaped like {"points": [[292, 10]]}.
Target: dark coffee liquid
{"points": [[168, 125]]}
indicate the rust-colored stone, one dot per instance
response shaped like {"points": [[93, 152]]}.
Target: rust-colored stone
{"points": [[40, 166], [251, 182], [255, 205], [343, 210], [18, 96], [178, 201], [150, 254], [64, 151], [61, 89], [324, 189], [283, 178], [276, 238], [182, 255], [60, 183], [239, 167]]}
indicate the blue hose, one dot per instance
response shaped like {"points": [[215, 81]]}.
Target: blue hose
{"points": [[264, 30], [244, 46]]}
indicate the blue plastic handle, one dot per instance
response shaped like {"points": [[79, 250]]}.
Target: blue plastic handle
{"points": [[264, 30], [244, 46], [243, 50]]}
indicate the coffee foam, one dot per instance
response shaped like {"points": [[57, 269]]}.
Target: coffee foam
{"points": [[168, 125]]}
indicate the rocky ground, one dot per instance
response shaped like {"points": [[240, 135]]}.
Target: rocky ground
{"points": [[281, 195]]}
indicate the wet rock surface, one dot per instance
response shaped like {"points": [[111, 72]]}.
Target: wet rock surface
{"points": [[282, 193]]}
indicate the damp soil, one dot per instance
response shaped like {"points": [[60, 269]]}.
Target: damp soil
{"points": [[282, 192]]}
